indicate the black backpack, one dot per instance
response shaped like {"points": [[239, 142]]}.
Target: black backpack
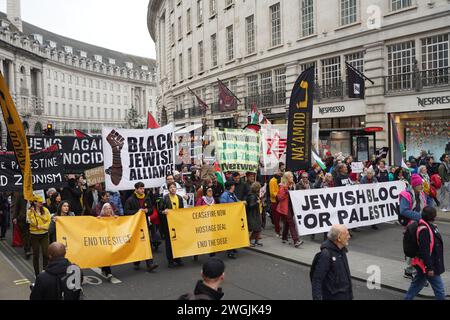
{"points": [[314, 264], [410, 241]]}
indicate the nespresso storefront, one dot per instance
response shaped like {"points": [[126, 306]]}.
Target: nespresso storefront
{"points": [[423, 122], [342, 129]]}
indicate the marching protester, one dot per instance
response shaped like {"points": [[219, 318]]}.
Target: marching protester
{"points": [[273, 191], [228, 196], [55, 201], [412, 201], [53, 283], [107, 212], [137, 202], [444, 173], [304, 183], [104, 198], [253, 209], [165, 187], [381, 172], [62, 211], [92, 198], [284, 208], [50, 192], [170, 201], [324, 181], [213, 274], [4, 215], [207, 199], [217, 189], [38, 217], [20, 221], [429, 262], [342, 178], [370, 178], [330, 272], [72, 193], [116, 201]]}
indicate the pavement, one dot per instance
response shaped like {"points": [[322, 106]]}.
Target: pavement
{"points": [[368, 249], [13, 283]]}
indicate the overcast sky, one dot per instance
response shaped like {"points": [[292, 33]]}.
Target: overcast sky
{"points": [[119, 25]]}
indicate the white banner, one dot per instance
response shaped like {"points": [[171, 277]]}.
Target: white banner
{"points": [[316, 210], [130, 156], [273, 143]]}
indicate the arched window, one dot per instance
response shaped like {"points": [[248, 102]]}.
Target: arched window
{"points": [[38, 128]]}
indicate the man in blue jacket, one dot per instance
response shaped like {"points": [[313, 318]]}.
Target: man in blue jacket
{"points": [[331, 279], [229, 197]]}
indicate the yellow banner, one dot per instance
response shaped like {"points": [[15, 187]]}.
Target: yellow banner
{"points": [[208, 229], [92, 242], [18, 137]]}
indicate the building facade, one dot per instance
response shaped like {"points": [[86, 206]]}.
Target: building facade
{"points": [[68, 83], [258, 48]]}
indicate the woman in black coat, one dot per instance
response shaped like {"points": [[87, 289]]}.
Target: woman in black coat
{"points": [[253, 209], [170, 201]]}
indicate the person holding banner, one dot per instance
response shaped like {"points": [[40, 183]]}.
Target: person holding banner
{"points": [[39, 219], [284, 208], [253, 210], [64, 211], [207, 199], [104, 198], [170, 201], [140, 202], [19, 210], [107, 212]]}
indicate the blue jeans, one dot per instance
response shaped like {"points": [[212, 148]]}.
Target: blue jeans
{"points": [[418, 283]]}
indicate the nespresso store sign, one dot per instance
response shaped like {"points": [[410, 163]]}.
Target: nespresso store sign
{"points": [[339, 109], [424, 102]]}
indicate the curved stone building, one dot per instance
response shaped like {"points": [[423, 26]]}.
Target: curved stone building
{"points": [[258, 48], [68, 83]]}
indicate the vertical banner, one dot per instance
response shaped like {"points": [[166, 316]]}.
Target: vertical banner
{"points": [[315, 137], [144, 155], [298, 155], [237, 150], [208, 229], [17, 136], [91, 242], [273, 145]]}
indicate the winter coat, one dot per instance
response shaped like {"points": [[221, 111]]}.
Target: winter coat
{"points": [[408, 205], [342, 180], [167, 204], [283, 200], [46, 285], [42, 220], [274, 188], [444, 172], [228, 197], [382, 175], [203, 292], [331, 279], [114, 199], [52, 228], [241, 190], [427, 261], [253, 213], [72, 194], [132, 206]]}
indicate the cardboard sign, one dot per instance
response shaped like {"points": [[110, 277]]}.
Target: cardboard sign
{"points": [[94, 176]]}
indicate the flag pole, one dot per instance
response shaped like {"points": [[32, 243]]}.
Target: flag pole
{"points": [[359, 73]]}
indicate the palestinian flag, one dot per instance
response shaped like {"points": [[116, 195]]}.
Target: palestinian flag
{"points": [[399, 146], [319, 161], [219, 174]]}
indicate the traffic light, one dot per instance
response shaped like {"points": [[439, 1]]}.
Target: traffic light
{"points": [[49, 131]]}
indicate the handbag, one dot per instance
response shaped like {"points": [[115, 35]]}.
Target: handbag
{"points": [[17, 237]]}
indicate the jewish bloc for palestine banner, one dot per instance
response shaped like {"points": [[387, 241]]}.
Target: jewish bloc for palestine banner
{"points": [[46, 166], [130, 156], [298, 154], [207, 229], [16, 133], [237, 150], [316, 210], [92, 242], [79, 154]]}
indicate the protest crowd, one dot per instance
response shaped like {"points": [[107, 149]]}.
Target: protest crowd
{"points": [[266, 199]]}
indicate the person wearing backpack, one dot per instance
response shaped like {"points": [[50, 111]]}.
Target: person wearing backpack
{"points": [[428, 258], [330, 274], [61, 280], [412, 201], [213, 274]]}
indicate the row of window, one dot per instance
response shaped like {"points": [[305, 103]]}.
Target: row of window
{"points": [[112, 99], [82, 81], [348, 13], [60, 110]]}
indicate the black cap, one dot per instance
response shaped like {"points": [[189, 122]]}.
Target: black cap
{"points": [[213, 268]]}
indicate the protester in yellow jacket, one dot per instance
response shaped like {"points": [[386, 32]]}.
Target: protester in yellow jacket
{"points": [[38, 217], [273, 190]]}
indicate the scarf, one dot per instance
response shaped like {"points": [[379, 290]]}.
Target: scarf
{"points": [[139, 196], [208, 200]]}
